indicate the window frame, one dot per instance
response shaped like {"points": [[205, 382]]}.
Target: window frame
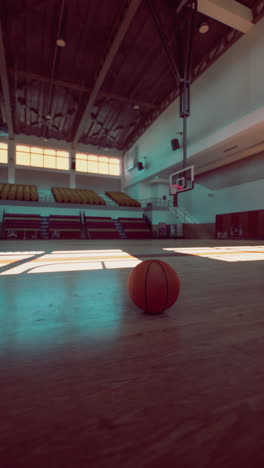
{"points": [[97, 159], [3, 149], [41, 153]]}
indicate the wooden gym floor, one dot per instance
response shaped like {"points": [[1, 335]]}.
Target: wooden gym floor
{"points": [[87, 380]]}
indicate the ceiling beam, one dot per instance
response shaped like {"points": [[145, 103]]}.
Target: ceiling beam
{"points": [[233, 14], [213, 54], [258, 10], [129, 15], [181, 5], [5, 87], [83, 89]]}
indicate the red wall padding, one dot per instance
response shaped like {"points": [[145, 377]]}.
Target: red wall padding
{"points": [[139, 235], [244, 225], [104, 235]]}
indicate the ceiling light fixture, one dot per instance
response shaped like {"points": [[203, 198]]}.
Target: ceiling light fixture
{"points": [[61, 42], [203, 28], [136, 106]]}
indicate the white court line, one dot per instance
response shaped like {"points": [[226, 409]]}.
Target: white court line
{"points": [[102, 251], [122, 264], [67, 267], [54, 262], [225, 254], [22, 253]]}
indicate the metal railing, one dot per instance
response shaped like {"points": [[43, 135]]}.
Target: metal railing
{"points": [[145, 202], [182, 214], [46, 197], [154, 202]]}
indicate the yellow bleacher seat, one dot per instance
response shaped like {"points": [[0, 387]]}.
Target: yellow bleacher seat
{"points": [[122, 199], [33, 193], [4, 193], [80, 196], [26, 193], [20, 192]]}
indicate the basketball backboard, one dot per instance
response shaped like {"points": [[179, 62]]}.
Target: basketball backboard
{"points": [[182, 180]]}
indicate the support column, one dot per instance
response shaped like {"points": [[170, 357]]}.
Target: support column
{"points": [[122, 161], [11, 162], [184, 142], [72, 168]]}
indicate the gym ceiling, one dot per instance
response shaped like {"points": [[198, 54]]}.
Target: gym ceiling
{"points": [[98, 72]]}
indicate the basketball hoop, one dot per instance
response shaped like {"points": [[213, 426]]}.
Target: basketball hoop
{"points": [[182, 180], [174, 188]]}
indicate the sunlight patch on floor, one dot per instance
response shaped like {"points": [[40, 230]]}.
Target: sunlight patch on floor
{"points": [[122, 264], [71, 260], [239, 253], [67, 267], [88, 252], [7, 258]]}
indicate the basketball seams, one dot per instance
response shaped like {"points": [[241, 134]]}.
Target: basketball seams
{"points": [[145, 288], [167, 286]]}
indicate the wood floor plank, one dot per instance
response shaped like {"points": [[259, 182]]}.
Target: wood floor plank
{"points": [[88, 380]]}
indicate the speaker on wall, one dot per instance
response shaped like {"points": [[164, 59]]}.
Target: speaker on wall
{"points": [[140, 166], [73, 165], [175, 144]]}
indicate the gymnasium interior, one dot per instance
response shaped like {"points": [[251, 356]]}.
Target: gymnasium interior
{"points": [[131, 131]]}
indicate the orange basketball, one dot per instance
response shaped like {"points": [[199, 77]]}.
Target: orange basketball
{"points": [[153, 286]]}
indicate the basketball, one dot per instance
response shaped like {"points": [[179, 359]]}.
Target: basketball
{"points": [[153, 286]]}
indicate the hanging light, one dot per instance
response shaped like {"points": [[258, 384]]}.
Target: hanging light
{"points": [[61, 42], [203, 28]]}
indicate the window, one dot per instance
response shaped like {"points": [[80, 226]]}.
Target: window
{"points": [[42, 157], [97, 164], [3, 153], [114, 166]]}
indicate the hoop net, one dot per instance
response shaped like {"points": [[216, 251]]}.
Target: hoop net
{"points": [[174, 188]]}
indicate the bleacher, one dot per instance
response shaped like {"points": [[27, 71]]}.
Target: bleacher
{"points": [[100, 228], [25, 226], [21, 226], [64, 227], [18, 192], [80, 196], [135, 228], [122, 199]]}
